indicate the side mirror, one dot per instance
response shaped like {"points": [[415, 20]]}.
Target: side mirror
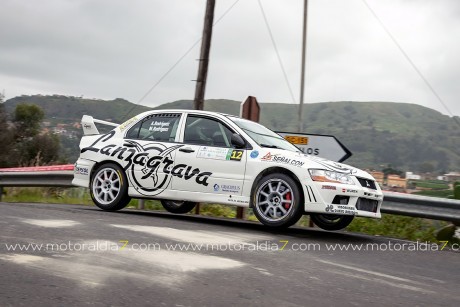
{"points": [[238, 141]]}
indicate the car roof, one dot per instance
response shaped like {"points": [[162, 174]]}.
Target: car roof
{"points": [[186, 111]]}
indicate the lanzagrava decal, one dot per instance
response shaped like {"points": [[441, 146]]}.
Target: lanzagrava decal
{"points": [[149, 167]]}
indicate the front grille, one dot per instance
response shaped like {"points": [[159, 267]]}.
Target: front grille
{"points": [[367, 183], [340, 200], [365, 204]]}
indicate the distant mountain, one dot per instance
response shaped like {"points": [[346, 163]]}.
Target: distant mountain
{"points": [[407, 136], [67, 108]]}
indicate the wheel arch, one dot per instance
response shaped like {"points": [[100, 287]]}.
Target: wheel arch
{"points": [[271, 170], [97, 164]]}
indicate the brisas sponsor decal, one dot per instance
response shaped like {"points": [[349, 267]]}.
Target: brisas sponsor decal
{"points": [[328, 187], [149, 167], [78, 170]]}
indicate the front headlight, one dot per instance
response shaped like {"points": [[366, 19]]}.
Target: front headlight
{"points": [[330, 176]]}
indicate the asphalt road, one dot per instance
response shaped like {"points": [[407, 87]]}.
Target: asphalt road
{"points": [[56, 255]]}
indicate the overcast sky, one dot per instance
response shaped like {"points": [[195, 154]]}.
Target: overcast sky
{"points": [[120, 49]]}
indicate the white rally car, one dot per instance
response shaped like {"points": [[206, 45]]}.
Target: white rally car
{"points": [[184, 157]]}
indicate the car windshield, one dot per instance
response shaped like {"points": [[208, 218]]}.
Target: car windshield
{"points": [[262, 135]]}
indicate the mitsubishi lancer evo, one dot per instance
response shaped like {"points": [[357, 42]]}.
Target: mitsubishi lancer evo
{"points": [[185, 157]]}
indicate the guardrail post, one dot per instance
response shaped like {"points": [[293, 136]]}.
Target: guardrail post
{"points": [[141, 204], [240, 213]]}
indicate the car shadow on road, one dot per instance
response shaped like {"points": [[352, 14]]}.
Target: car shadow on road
{"points": [[294, 231]]}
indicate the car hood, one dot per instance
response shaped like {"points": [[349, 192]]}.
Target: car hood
{"points": [[309, 161]]}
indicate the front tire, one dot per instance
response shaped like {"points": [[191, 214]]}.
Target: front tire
{"points": [[331, 221], [178, 207], [277, 201], [109, 187]]}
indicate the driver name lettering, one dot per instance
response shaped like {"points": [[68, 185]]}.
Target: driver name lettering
{"points": [[159, 126]]}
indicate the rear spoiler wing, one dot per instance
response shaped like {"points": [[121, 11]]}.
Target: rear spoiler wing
{"points": [[89, 124]]}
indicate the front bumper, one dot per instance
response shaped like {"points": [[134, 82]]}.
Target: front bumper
{"points": [[342, 199]]}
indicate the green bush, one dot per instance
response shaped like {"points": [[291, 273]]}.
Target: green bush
{"points": [[402, 227], [457, 192], [218, 210], [432, 185], [48, 195], [435, 193]]}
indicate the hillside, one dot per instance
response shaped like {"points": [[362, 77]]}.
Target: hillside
{"points": [[67, 108], [408, 136]]}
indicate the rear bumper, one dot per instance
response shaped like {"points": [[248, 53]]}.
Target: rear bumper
{"points": [[82, 172]]}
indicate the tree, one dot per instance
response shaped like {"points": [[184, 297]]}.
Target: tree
{"points": [[389, 170], [27, 119], [6, 137], [41, 149], [24, 143]]}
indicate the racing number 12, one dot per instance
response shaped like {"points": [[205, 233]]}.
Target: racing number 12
{"points": [[236, 155]]}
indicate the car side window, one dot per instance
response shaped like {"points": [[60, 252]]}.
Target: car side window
{"points": [[206, 131], [156, 127]]}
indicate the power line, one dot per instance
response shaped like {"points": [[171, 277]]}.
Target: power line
{"points": [[177, 62], [276, 50], [425, 80]]}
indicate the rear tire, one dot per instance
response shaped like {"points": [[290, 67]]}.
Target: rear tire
{"points": [[109, 187], [331, 221], [178, 207], [277, 201]]}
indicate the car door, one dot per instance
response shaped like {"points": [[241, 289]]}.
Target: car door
{"points": [[150, 149], [207, 162]]}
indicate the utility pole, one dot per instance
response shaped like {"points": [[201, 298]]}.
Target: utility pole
{"points": [[302, 76], [204, 56], [200, 88]]}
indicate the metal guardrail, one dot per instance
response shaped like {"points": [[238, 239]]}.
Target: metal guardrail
{"points": [[36, 179], [57, 176], [434, 208]]}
